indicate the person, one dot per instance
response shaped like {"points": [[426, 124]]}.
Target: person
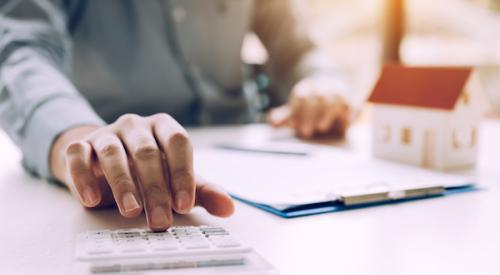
{"points": [[96, 93]]}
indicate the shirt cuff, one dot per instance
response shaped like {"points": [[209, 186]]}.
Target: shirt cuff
{"points": [[49, 120]]}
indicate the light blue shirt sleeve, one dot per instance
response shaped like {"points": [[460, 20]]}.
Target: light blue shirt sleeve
{"points": [[37, 100]]}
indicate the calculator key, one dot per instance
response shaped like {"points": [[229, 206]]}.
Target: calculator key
{"points": [[150, 234], [132, 248], [165, 246], [194, 242], [196, 245], [99, 249], [164, 240], [212, 229], [188, 234], [191, 237], [184, 230], [217, 233], [98, 235], [224, 242]]}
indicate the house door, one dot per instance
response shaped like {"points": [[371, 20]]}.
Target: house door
{"points": [[429, 148]]}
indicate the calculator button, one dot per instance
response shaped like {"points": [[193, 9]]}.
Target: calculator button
{"points": [[212, 229], [165, 246], [99, 249], [158, 235], [194, 242], [195, 245], [132, 248], [187, 234], [224, 242], [184, 230], [217, 233]]}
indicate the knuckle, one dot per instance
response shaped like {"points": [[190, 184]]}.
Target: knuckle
{"points": [[78, 169], [162, 117], [179, 139], [146, 152], [153, 190], [108, 150], [128, 119], [96, 135], [75, 148], [122, 181]]}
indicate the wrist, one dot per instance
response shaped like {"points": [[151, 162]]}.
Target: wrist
{"points": [[57, 152]]}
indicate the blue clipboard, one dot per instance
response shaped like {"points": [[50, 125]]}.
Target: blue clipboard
{"points": [[296, 211]]}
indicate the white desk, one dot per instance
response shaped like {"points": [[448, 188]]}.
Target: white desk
{"points": [[452, 235]]}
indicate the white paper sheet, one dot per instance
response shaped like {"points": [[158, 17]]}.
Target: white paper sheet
{"points": [[321, 176]]}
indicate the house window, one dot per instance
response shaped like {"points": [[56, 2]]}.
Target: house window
{"points": [[465, 98], [463, 137], [406, 136], [473, 137], [456, 139], [384, 134]]}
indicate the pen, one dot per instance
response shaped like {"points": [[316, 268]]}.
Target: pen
{"points": [[260, 149]]}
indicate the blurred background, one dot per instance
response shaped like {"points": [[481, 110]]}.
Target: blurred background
{"points": [[363, 34]]}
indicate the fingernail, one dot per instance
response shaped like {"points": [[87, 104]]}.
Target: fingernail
{"points": [[130, 202], [89, 196], [182, 201], [159, 218]]}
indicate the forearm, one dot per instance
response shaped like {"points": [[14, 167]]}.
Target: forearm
{"points": [[38, 104], [37, 100], [292, 54]]}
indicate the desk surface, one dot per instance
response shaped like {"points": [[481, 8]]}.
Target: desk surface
{"points": [[451, 235]]}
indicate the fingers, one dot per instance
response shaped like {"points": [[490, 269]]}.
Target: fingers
{"points": [[215, 200], [178, 151], [280, 116], [316, 113], [306, 111], [148, 165], [114, 164], [141, 161], [79, 163], [329, 115], [316, 106], [342, 122]]}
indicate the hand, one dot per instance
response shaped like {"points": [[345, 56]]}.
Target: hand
{"points": [[136, 162], [315, 107]]}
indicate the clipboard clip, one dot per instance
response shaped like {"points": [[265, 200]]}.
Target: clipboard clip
{"points": [[392, 195]]}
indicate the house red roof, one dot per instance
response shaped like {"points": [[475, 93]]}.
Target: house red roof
{"points": [[429, 87]]}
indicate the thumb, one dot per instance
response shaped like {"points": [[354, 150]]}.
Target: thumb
{"points": [[215, 200]]}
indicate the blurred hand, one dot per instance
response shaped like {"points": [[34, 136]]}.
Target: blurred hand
{"points": [[138, 163], [316, 106]]}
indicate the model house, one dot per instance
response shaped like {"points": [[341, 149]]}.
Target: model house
{"points": [[427, 116]]}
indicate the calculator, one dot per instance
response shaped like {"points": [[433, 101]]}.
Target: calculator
{"points": [[179, 250]]}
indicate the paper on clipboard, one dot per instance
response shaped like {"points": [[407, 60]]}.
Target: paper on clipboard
{"points": [[322, 176]]}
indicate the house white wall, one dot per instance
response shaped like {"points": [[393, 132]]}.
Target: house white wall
{"points": [[421, 122], [464, 120]]}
